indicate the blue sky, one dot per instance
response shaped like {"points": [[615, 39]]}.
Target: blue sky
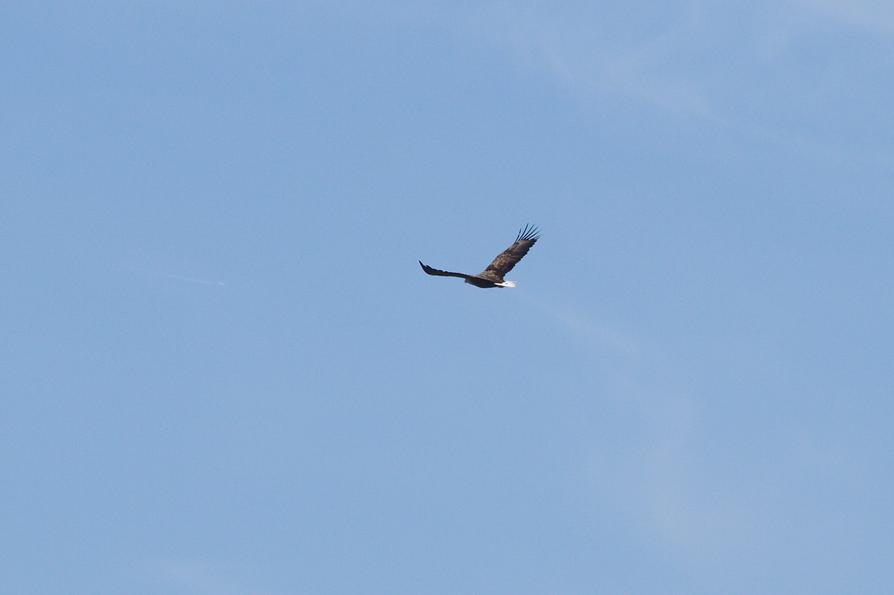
{"points": [[224, 372]]}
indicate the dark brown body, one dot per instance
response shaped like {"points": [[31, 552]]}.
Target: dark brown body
{"points": [[481, 282]]}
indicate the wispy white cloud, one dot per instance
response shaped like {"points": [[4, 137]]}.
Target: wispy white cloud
{"points": [[669, 493], [579, 47], [765, 72], [667, 487], [689, 509], [766, 80], [873, 15], [197, 577], [596, 335]]}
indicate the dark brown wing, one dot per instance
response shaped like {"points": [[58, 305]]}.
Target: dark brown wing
{"points": [[439, 273], [509, 257]]}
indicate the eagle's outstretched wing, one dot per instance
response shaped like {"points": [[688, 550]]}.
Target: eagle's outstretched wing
{"points": [[439, 273], [509, 257]]}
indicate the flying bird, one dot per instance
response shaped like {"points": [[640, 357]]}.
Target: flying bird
{"points": [[492, 276]]}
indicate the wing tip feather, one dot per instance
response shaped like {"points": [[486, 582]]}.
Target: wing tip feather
{"points": [[528, 233]]}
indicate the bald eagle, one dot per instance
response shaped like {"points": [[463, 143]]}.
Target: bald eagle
{"points": [[492, 276]]}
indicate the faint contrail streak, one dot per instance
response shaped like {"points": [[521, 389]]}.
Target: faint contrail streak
{"points": [[188, 279], [176, 277]]}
